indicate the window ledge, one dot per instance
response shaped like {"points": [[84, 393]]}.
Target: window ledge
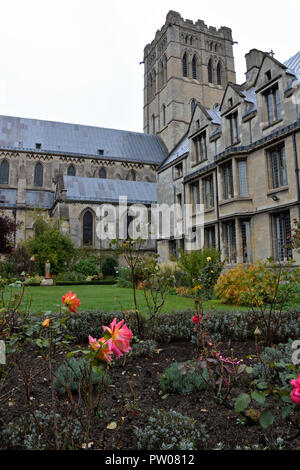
{"points": [[272, 124], [199, 163], [235, 199], [277, 190], [177, 178], [237, 142], [211, 209]]}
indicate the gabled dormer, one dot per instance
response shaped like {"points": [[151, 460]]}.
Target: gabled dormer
{"points": [[270, 84], [204, 124], [230, 110]]}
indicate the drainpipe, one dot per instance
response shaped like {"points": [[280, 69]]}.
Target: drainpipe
{"points": [[296, 171], [217, 210]]}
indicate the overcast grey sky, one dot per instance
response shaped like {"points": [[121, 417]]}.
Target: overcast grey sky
{"points": [[78, 60]]}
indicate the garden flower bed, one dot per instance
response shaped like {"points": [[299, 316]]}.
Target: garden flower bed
{"points": [[130, 398]]}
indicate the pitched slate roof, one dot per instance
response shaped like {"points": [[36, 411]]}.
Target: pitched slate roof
{"points": [[108, 190], [8, 197], [180, 149], [59, 137], [293, 65], [39, 199]]}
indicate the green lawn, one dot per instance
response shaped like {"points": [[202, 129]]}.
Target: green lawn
{"points": [[107, 298]]}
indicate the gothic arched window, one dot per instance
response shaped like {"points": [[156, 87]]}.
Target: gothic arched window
{"points": [[219, 73], [150, 87], [194, 67], [4, 172], [193, 105], [184, 65], [71, 170], [132, 175], [38, 175], [161, 73], [153, 83], [164, 114], [165, 68], [102, 173], [210, 71], [87, 228]]}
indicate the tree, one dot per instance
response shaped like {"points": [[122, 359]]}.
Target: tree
{"points": [[49, 243], [7, 230]]}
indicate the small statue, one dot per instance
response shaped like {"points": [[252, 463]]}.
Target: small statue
{"points": [[47, 269]]}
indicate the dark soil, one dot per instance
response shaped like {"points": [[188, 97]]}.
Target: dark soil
{"points": [[138, 378]]}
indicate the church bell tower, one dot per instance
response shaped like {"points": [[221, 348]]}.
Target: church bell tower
{"points": [[185, 63]]}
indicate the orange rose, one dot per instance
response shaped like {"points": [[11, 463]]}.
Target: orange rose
{"points": [[71, 301], [46, 323]]}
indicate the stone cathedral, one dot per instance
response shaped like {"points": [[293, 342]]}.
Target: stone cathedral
{"points": [[233, 148]]}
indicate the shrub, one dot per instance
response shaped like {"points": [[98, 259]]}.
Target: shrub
{"points": [[124, 276], [36, 280], [23, 433], [49, 243], [87, 267], [8, 228], [233, 284], [167, 430], [109, 266], [20, 258], [178, 326], [182, 378], [144, 348], [69, 277], [273, 359], [202, 267], [74, 373], [90, 323]]}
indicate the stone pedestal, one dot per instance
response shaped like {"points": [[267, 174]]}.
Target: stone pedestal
{"points": [[47, 282]]}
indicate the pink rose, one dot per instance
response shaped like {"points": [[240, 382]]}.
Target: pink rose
{"points": [[120, 336], [295, 394]]}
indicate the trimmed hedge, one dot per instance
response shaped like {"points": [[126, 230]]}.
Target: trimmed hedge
{"points": [[108, 282], [178, 326]]}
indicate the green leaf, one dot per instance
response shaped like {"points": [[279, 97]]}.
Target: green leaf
{"points": [[73, 353], [262, 385], [260, 397], [286, 398], [242, 402], [286, 411], [266, 419]]}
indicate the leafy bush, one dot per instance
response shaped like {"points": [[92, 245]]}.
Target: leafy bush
{"points": [[8, 228], [273, 360], [182, 378], [7, 268], [167, 430], [253, 285], [202, 267], [86, 267], [70, 277], [109, 266], [233, 284], [36, 280], [49, 243], [144, 348], [90, 323], [123, 276], [23, 433], [74, 373], [20, 257], [178, 326]]}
